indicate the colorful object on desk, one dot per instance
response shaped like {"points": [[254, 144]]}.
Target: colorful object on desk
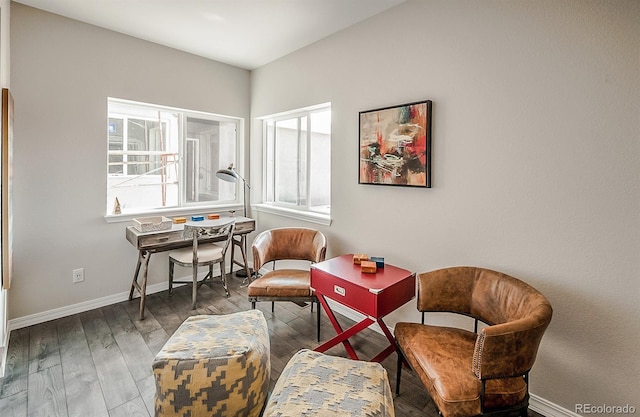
{"points": [[179, 220], [378, 260], [197, 218], [368, 267], [359, 257], [213, 216]]}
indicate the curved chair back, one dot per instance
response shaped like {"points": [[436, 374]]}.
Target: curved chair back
{"points": [[481, 372], [289, 243], [517, 315]]}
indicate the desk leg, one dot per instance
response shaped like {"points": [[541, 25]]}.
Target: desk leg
{"points": [[243, 249], [134, 282], [233, 250], [242, 243], [342, 336], [142, 286]]}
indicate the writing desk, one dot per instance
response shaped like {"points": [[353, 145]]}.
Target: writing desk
{"points": [[373, 295], [148, 243]]}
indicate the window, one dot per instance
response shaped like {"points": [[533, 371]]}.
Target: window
{"points": [[298, 159], [163, 158]]}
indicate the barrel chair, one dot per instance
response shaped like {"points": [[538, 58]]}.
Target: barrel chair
{"points": [[479, 372], [286, 284]]}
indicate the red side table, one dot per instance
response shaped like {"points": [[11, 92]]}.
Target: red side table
{"points": [[374, 295]]}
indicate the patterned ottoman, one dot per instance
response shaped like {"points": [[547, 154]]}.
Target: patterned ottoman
{"points": [[314, 384], [214, 366]]}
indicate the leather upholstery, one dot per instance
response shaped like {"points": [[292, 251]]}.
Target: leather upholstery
{"points": [[291, 243], [282, 283], [287, 243], [451, 363]]}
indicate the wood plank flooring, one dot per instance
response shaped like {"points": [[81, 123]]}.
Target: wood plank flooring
{"points": [[98, 363]]}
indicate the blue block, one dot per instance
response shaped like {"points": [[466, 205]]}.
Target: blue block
{"points": [[378, 260], [197, 218]]}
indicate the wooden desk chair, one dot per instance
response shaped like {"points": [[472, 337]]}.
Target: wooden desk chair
{"points": [[203, 252], [287, 243]]}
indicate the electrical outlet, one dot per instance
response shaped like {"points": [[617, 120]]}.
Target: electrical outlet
{"points": [[78, 275]]}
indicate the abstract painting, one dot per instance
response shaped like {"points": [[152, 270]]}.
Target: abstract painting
{"points": [[395, 145]]}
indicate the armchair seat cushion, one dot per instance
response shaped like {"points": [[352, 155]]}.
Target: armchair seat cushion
{"points": [[442, 358], [290, 283]]}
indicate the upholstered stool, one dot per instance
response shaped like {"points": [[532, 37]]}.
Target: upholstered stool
{"points": [[315, 384], [214, 365]]}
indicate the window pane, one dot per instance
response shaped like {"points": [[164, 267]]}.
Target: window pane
{"points": [[297, 159], [302, 166], [160, 157], [286, 161], [320, 162], [144, 136], [269, 160], [115, 146], [210, 146]]}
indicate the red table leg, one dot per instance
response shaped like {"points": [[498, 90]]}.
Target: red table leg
{"points": [[392, 346], [342, 336]]}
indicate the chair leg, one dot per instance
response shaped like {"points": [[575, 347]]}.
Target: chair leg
{"points": [[171, 265], [273, 306], [253, 305], [223, 276], [194, 287], [399, 370]]}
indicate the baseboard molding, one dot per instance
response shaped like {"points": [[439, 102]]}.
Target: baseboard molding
{"points": [[549, 409], [65, 311]]}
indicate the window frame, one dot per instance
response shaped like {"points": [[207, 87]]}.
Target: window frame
{"points": [[183, 206], [269, 203]]}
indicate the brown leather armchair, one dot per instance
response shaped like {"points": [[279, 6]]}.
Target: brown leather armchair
{"points": [[481, 372], [287, 243]]}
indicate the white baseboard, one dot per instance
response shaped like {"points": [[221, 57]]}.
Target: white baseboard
{"points": [[549, 409], [65, 311]]}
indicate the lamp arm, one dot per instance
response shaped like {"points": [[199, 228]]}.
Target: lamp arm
{"points": [[242, 178]]}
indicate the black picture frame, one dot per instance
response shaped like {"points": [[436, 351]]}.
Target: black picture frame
{"points": [[394, 145]]}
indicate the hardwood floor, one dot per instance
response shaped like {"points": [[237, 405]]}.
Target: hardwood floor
{"points": [[98, 363]]}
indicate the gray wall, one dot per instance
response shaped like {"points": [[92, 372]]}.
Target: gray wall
{"points": [[535, 162], [62, 73]]}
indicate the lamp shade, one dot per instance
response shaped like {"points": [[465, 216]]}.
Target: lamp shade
{"points": [[228, 175]]}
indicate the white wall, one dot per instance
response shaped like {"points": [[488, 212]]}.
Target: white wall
{"points": [[62, 73], [536, 159]]}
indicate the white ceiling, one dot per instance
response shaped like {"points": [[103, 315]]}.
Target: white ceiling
{"points": [[243, 33]]}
